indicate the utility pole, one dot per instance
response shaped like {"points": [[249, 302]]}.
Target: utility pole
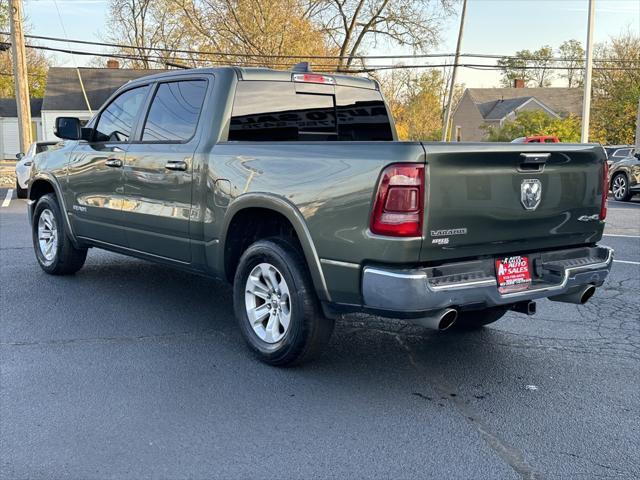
{"points": [[638, 129], [447, 113], [20, 74], [586, 101]]}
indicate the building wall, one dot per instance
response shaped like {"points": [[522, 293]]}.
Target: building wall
{"points": [[467, 117], [10, 138], [49, 120]]}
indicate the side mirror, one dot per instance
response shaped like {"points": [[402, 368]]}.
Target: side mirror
{"points": [[68, 128], [19, 156]]}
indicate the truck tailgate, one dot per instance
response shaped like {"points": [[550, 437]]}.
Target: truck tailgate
{"points": [[482, 199]]}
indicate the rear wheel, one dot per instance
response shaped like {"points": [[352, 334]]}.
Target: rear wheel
{"points": [[54, 251], [20, 192], [620, 187], [476, 319], [275, 304]]}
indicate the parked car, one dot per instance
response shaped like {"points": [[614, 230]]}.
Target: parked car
{"points": [[616, 153], [537, 139], [624, 177], [23, 166], [292, 186]]}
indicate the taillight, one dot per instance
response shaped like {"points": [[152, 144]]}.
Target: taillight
{"points": [[605, 190], [399, 204]]}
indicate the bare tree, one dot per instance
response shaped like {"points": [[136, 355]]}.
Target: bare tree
{"points": [[355, 25], [145, 25]]}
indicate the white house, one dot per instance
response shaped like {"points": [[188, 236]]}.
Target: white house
{"points": [[63, 96], [9, 138]]}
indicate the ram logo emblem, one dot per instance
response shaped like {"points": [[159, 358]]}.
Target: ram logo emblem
{"points": [[530, 193]]}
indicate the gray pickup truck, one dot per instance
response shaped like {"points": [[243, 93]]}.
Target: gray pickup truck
{"points": [[292, 186]]}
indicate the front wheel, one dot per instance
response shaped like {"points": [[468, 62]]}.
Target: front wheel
{"points": [[54, 251], [275, 304], [620, 188], [21, 192]]}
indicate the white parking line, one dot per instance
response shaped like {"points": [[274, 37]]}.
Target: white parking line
{"points": [[7, 199], [616, 235], [627, 261]]}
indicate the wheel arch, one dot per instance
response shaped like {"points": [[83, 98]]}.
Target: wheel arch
{"points": [[285, 210], [43, 184]]}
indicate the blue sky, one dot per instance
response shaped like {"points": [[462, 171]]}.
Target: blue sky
{"points": [[492, 26]]}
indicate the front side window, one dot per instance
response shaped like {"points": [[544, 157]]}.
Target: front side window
{"points": [[118, 120], [174, 112]]}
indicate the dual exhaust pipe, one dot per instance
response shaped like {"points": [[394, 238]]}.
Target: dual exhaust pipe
{"points": [[444, 319]]}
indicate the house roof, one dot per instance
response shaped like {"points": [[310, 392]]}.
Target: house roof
{"points": [[498, 109], [563, 101], [63, 91], [9, 108]]}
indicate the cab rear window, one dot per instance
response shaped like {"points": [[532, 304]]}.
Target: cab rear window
{"points": [[278, 111]]}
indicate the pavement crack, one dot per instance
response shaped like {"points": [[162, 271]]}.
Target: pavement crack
{"points": [[511, 456]]}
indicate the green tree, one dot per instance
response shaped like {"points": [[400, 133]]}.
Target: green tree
{"points": [[572, 55], [536, 122], [542, 61], [416, 102], [515, 67], [616, 91], [37, 63], [532, 67]]}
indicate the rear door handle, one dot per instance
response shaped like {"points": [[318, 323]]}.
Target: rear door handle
{"points": [[113, 162], [176, 165]]}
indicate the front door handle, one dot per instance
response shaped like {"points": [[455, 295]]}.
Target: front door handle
{"points": [[113, 162], [176, 165]]}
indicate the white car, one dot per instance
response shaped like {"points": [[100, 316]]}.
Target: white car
{"points": [[23, 167]]}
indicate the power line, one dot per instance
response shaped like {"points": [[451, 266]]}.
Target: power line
{"points": [[319, 67], [312, 57]]}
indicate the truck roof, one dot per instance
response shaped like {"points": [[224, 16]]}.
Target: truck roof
{"points": [[259, 73]]}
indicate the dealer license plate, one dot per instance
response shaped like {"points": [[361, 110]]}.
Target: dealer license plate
{"points": [[513, 273]]}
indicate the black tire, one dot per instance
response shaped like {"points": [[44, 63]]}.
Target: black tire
{"points": [[308, 330], [476, 319], [620, 187], [21, 192], [65, 259]]}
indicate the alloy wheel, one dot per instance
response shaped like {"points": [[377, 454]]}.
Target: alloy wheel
{"points": [[619, 187], [48, 235], [268, 303]]}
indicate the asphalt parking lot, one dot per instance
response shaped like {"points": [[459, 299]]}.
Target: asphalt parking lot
{"points": [[131, 370]]}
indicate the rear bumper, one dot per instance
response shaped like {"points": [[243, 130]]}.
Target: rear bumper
{"points": [[472, 285]]}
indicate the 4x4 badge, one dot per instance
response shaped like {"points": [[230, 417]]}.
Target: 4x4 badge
{"points": [[530, 193]]}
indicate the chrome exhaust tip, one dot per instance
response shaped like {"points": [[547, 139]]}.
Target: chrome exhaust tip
{"points": [[579, 296], [587, 293], [441, 320]]}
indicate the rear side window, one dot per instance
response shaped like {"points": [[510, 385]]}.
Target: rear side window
{"points": [[174, 112], [117, 120], [275, 111]]}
